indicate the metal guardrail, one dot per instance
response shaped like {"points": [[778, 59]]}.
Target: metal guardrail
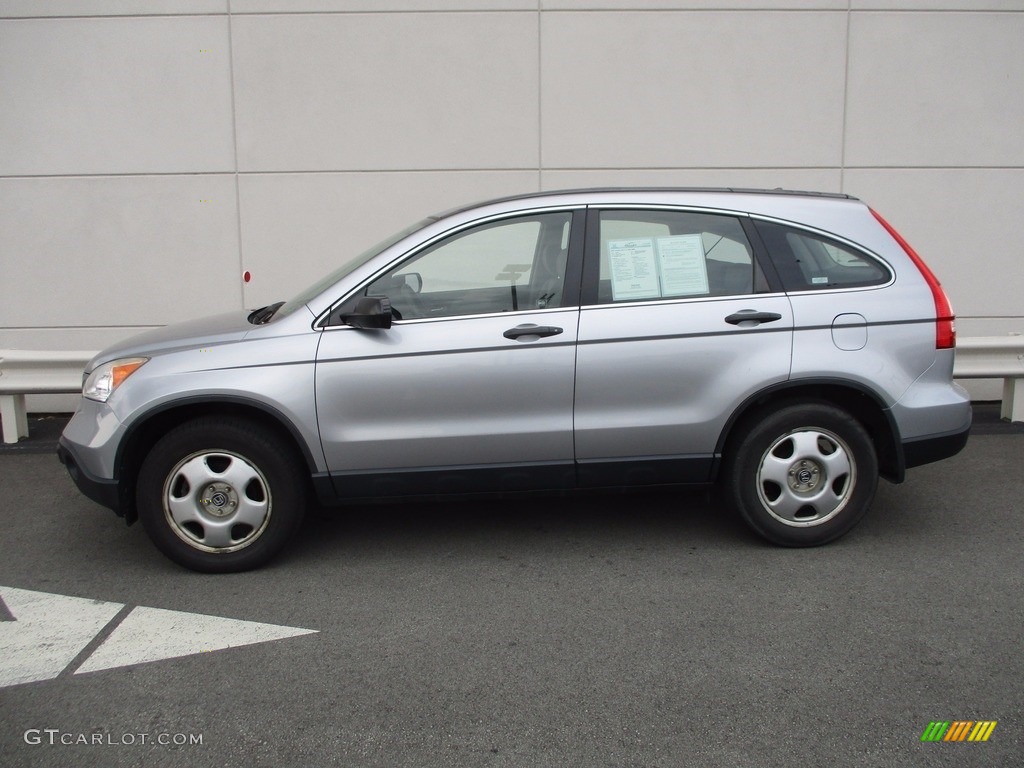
{"points": [[31, 372], [995, 357]]}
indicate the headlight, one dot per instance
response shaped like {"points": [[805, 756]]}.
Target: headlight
{"points": [[104, 380]]}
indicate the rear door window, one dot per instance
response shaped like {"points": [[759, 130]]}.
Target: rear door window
{"points": [[654, 255]]}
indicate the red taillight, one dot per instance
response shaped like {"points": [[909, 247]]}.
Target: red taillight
{"points": [[945, 328]]}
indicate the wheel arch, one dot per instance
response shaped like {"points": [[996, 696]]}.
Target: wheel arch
{"points": [[856, 399], [146, 430]]}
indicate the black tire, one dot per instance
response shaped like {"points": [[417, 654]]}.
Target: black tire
{"points": [[220, 495], [801, 475]]}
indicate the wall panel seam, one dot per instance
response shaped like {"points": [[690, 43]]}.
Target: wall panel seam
{"points": [[234, 142], [488, 11], [846, 101], [522, 169]]}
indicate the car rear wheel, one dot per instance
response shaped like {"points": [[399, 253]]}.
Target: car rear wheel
{"points": [[802, 475], [220, 495]]}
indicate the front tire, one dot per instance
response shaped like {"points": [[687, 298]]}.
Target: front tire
{"points": [[220, 495], [803, 475]]}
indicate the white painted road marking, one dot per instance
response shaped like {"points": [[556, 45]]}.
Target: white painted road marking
{"points": [[50, 631], [152, 634], [47, 633]]}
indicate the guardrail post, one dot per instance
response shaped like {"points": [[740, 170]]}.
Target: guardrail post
{"points": [[14, 416], [1013, 400]]}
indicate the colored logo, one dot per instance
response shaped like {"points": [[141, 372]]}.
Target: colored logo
{"points": [[959, 730]]}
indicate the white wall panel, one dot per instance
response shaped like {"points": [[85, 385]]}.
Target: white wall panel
{"points": [[119, 121], [717, 5], [937, 5], [953, 218], [378, 6], [115, 95], [117, 251], [818, 180], [26, 8], [692, 89], [940, 89], [298, 227], [64, 338], [386, 91]]}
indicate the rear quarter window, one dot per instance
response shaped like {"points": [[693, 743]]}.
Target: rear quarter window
{"points": [[809, 262]]}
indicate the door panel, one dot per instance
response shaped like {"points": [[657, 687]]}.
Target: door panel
{"points": [[443, 406], [658, 377], [471, 388], [660, 381]]}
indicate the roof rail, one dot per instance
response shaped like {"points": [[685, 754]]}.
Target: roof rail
{"points": [[601, 190]]}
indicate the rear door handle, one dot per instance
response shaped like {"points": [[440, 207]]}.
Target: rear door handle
{"points": [[529, 329], [752, 315]]}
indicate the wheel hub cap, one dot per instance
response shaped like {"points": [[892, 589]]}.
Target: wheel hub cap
{"points": [[219, 500], [804, 476]]}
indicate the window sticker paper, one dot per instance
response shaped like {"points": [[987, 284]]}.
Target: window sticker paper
{"points": [[633, 269], [681, 266]]}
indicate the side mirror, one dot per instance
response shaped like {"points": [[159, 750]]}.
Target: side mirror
{"points": [[370, 312]]}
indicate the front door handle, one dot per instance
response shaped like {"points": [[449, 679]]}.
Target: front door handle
{"points": [[529, 329], [752, 315]]}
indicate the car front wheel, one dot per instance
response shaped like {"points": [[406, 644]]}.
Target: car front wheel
{"points": [[220, 495], [802, 475]]}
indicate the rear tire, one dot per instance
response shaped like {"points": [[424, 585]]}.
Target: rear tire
{"points": [[220, 495], [802, 475]]}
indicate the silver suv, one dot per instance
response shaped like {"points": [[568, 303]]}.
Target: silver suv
{"points": [[790, 346]]}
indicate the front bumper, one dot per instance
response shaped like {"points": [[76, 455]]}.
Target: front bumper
{"points": [[101, 490]]}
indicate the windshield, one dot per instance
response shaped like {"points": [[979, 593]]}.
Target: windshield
{"points": [[327, 281]]}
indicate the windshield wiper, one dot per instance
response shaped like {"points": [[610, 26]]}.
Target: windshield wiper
{"points": [[263, 314]]}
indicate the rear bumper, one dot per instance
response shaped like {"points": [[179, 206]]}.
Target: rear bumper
{"points": [[102, 491], [925, 450], [933, 416]]}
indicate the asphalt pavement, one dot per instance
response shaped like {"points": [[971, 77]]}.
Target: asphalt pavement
{"points": [[644, 629]]}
